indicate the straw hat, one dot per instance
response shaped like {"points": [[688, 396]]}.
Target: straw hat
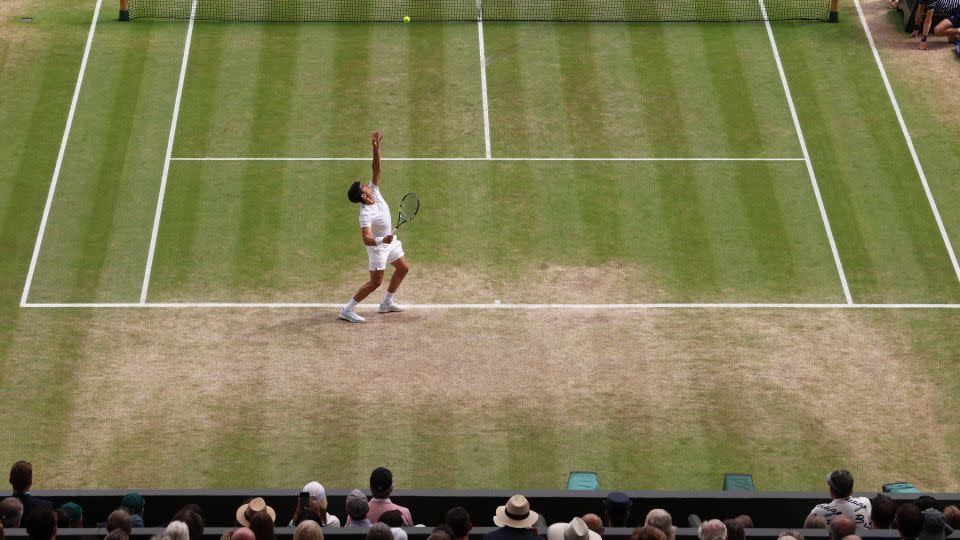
{"points": [[246, 511], [516, 513]]}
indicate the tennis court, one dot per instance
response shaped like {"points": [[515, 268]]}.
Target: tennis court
{"points": [[758, 180]]}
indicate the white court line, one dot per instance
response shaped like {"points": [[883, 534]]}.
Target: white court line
{"points": [[483, 83], [60, 154], [906, 135], [239, 158], [495, 305], [167, 158], [806, 155]]}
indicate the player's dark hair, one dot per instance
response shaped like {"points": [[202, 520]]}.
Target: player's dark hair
{"points": [[354, 192]]}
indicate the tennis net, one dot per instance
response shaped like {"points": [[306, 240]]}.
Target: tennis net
{"points": [[488, 10]]}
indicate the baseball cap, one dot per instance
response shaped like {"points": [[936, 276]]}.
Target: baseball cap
{"points": [[73, 511], [357, 504], [381, 478], [134, 501], [934, 525]]}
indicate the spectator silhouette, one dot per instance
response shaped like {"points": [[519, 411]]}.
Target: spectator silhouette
{"points": [[514, 520]]}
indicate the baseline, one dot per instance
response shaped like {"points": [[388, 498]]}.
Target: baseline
{"points": [[60, 154], [909, 139], [806, 155], [367, 158], [169, 154], [494, 305]]}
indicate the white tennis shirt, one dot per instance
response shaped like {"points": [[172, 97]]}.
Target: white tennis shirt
{"points": [[376, 216]]}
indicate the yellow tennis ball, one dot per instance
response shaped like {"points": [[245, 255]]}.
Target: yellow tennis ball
{"points": [[406, 18]]}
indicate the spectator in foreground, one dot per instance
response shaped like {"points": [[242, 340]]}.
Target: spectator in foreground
{"points": [[250, 509], [119, 519], [70, 516], [840, 527], [789, 534], [952, 515], [575, 530], [594, 522], [909, 520], [616, 509], [192, 515], [851, 537], [357, 509], [308, 530], [814, 521], [381, 486], [882, 510], [934, 525], [133, 503], [745, 521], [177, 530], [243, 533], [393, 518], [713, 529], [441, 533], [647, 533], [458, 520], [379, 531], [661, 519], [21, 479], [116, 534], [11, 512], [41, 524], [735, 530], [261, 524], [514, 520], [843, 503], [318, 504]]}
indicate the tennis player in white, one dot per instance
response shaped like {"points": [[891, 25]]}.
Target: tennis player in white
{"points": [[383, 248]]}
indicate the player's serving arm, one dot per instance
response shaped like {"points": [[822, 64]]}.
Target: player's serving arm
{"points": [[383, 248]]}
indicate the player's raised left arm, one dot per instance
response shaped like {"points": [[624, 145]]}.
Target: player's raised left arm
{"points": [[376, 158]]}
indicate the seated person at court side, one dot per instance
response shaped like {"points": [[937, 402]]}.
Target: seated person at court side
{"points": [[840, 482], [514, 520], [41, 524], [882, 509], [594, 522], [814, 521], [661, 519], [949, 26], [70, 516], [381, 486], [357, 509], [133, 503], [841, 527], [952, 515], [647, 532], [21, 479], [458, 520], [713, 529], [735, 530], [909, 520], [11, 512], [616, 509], [119, 519]]}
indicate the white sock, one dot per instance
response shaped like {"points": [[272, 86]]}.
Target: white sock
{"points": [[351, 304], [388, 298]]}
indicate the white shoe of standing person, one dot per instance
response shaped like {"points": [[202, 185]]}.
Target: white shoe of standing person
{"points": [[350, 315], [390, 307]]}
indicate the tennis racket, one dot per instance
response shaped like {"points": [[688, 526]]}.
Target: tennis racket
{"points": [[409, 206]]}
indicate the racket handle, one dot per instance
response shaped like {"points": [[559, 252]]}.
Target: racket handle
{"points": [[394, 233]]}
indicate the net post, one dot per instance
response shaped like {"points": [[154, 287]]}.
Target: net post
{"points": [[124, 11], [834, 11]]}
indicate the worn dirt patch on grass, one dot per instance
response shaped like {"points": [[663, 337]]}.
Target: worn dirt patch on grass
{"points": [[934, 70], [183, 374]]}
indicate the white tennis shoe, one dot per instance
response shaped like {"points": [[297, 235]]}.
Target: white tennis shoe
{"points": [[350, 315], [392, 307]]}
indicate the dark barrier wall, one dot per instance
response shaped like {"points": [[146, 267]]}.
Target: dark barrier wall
{"points": [[768, 509]]}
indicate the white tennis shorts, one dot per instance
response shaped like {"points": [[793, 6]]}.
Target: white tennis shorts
{"points": [[380, 257]]}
